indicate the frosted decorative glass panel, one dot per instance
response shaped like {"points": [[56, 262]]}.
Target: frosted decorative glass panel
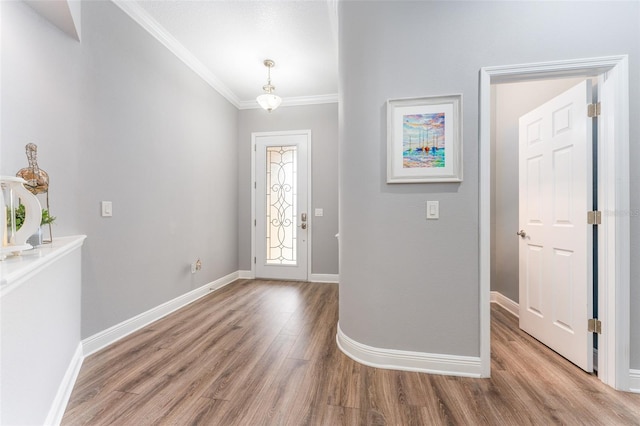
{"points": [[281, 194]]}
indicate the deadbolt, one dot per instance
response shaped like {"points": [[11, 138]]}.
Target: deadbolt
{"points": [[303, 217]]}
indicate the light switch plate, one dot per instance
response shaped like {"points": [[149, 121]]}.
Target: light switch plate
{"points": [[107, 209], [433, 209], [319, 212]]}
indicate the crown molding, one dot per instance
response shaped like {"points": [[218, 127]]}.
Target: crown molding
{"points": [[142, 18], [295, 101], [146, 21]]}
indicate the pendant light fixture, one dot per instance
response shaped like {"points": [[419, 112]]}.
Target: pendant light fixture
{"points": [[268, 100]]}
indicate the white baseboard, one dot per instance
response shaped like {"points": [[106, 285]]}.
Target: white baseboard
{"points": [[246, 275], [451, 365], [634, 381], [314, 278], [104, 338], [59, 404], [511, 306], [324, 278]]}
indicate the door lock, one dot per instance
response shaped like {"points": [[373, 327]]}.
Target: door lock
{"points": [[303, 217]]}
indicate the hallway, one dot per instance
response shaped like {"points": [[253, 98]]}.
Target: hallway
{"points": [[264, 352]]}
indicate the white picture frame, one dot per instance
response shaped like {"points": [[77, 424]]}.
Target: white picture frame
{"points": [[424, 139]]}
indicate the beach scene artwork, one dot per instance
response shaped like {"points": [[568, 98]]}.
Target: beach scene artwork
{"points": [[423, 140]]}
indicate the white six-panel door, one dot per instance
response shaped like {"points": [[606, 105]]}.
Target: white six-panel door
{"points": [[281, 219], [555, 169]]}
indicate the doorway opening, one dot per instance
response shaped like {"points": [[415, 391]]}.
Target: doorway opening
{"points": [[612, 170], [542, 257]]}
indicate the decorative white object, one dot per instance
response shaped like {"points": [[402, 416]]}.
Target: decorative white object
{"points": [[13, 194]]}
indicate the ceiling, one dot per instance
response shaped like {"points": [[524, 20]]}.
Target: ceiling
{"points": [[226, 42]]}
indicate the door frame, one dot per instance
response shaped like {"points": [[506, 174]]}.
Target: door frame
{"points": [[255, 135], [613, 199]]}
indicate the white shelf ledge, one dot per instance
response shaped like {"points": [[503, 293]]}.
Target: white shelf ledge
{"points": [[14, 270]]}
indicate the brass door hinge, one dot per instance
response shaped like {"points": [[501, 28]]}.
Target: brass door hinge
{"points": [[594, 217], [593, 110], [594, 325]]}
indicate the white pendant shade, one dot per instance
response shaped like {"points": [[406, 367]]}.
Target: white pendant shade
{"points": [[269, 101]]}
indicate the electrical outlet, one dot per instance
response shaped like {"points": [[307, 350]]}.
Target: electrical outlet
{"points": [[196, 266]]}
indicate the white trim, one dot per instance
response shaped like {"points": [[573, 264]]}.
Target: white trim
{"points": [[309, 201], [111, 335], [253, 205], [294, 101], [555, 69], [246, 275], [332, 6], [451, 365], [59, 404], [324, 278], [634, 381], [500, 299], [484, 214], [613, 234], [613, 169], [17, 270]]}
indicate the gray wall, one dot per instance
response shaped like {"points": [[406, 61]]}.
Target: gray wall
{"points": [[41, 103], [118, 117], [322, 120], [407, 283], [511, 101]]}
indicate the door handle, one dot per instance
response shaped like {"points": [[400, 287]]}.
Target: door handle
{"points": [[521, 233], [303, 226]]}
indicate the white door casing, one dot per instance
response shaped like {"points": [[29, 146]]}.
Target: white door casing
{"points": [[555, 250], [281, 194], [613, 201]]}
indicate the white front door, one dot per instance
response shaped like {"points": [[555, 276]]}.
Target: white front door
{"points": [[555, 252], [281, 218]]}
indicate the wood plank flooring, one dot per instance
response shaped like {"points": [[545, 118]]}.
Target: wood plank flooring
{"points": [[264, 353]]}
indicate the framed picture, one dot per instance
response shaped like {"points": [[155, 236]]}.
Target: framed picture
{"points": [[424, 139]]}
